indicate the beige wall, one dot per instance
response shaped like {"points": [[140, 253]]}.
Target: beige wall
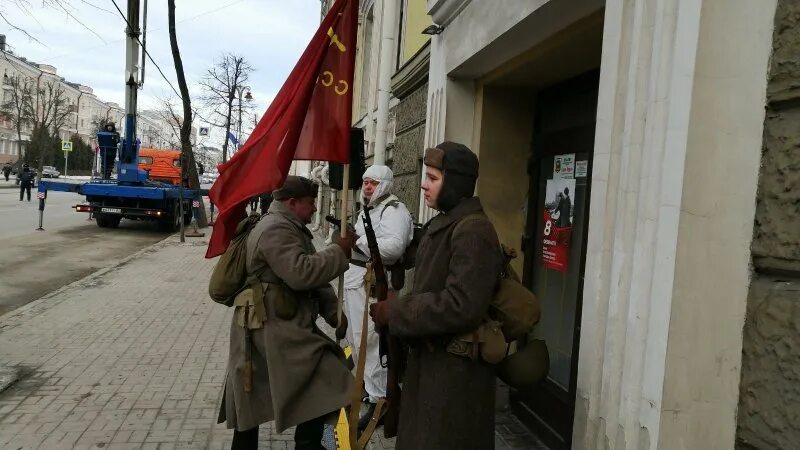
{"points": [[415, 19], [506, 131]]}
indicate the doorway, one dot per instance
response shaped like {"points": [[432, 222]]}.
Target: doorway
{"points": [[554, 245]]}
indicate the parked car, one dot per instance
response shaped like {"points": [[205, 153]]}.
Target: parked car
{"points": [[50, 172], [208, 178]]}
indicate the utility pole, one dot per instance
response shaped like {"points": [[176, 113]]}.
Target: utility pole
{"points": [[249, 97], [128, 152]]}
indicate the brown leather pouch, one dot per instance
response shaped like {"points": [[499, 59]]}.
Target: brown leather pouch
{"points": [[485, 342]]}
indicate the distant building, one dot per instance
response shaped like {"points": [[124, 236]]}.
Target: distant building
{"points": [[87, 109]]}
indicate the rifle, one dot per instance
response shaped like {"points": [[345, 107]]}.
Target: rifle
{"points": [[333, 221], [390, 348]]}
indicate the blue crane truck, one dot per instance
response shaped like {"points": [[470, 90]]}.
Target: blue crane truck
{"points": [[131, 195]]}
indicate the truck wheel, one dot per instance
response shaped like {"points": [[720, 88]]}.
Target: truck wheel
{"points": [[113, 221], [101, 220], [171, 222]]}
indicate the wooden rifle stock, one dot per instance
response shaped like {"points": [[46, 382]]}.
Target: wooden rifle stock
{"points": [[390, 348]]}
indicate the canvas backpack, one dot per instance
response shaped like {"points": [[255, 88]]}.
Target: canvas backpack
{"points": [[513, 312], [513, 305], [230, 274]]}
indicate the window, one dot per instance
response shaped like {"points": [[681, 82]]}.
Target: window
{"points": [[366, 72]]}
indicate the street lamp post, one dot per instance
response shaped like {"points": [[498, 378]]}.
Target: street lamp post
{"points": [[249, 97]]}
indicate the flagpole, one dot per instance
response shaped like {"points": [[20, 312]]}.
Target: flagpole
{"points": [[343, 231]]}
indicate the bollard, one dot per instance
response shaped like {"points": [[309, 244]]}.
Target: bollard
{"points": [[42, 196], [195, 233], [211, 220]]}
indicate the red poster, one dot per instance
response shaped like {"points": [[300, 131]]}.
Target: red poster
{"points": [[557, 231]]}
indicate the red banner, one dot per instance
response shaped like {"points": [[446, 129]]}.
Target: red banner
{"points": [[310, 119]]}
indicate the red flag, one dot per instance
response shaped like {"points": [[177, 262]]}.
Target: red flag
{"points": [[309, 119]]}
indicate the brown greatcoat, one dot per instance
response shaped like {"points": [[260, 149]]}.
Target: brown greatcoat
{"points": [[298, 372], [448, 400]]}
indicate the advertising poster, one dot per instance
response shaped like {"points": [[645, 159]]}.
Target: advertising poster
{"points": [[581, 169], [564, 166], [557, 232]]}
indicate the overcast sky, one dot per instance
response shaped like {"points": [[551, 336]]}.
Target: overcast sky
{"points": [[270, 34]]}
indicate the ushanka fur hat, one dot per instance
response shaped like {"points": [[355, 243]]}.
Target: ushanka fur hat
{"points": [[460, 167]]}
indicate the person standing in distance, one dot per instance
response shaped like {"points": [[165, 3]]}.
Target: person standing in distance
{"points": [[26, 180]]}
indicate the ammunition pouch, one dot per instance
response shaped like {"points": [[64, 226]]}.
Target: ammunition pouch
{"points": [[485, 342], [249, 311]]}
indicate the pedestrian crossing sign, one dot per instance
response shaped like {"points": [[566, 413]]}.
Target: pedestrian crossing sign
{"points": [[66, 146]]}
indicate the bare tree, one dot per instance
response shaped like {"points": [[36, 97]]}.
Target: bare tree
{"points": [[26, 7], [50, 113], [169, 113], [19, 106], [188, 163], [222, 83]]}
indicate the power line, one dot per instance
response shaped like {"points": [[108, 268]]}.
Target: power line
{"points": [[194, 111], [117, 41]]}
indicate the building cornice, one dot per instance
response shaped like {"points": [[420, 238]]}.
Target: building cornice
{"points": [[413, 74], [444, 11]]}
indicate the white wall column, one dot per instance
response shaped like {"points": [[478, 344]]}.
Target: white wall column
{"points": [[677, 150], [386, 67]]}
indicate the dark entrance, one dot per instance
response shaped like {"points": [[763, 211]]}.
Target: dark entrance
{"points": [[555, 246]]}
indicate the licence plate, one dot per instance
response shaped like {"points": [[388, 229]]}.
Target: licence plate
{"points": [[111, 210]]}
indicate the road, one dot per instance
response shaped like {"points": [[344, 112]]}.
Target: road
{"points": [[34, 263]]}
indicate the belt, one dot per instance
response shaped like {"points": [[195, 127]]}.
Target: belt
{"points": [[358, 263], [268, 277]]}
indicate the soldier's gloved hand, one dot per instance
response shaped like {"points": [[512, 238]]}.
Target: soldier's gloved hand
{"points": [[341, 330], [347, 242], [380, 311]]}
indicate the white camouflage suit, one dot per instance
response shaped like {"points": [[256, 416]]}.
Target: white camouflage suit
{"points": [[393, 231]]}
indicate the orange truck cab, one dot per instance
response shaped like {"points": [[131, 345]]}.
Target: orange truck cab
{"points": [[161, 165]]}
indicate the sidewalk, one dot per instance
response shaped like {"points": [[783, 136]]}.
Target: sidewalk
{"points": [[132, 356]]}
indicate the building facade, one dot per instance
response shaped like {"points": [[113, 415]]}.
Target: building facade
{"points": [[670, 297], [406, 120], [669, 128], [87, 111]]}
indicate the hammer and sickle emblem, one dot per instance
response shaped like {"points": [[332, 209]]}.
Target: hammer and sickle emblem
{"points": [[341, 87], [327, 78], [335, 41]]}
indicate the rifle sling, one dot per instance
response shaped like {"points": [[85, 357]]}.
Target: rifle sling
{"points": [[362, 354], [373, 423]]}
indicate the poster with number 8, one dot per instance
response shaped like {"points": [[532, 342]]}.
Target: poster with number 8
{"points": [[558, 217]]}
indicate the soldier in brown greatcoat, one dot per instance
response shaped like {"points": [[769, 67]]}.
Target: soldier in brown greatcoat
{"points": [[299, 375], [447, 400]]}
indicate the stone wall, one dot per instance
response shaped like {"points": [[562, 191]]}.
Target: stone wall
{"points": [[769, 416], [408, 144]]}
